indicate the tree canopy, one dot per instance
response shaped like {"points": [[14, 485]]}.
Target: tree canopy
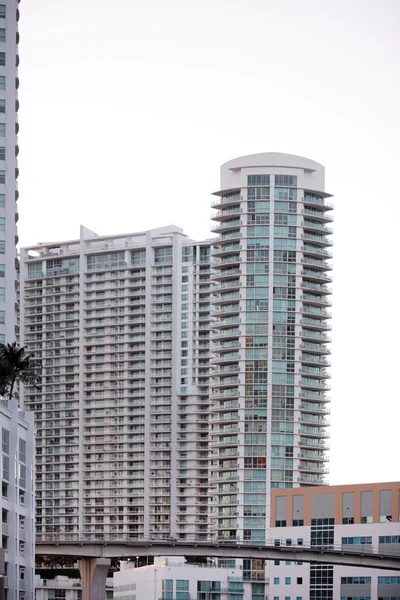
{"points": [[17, 366]]}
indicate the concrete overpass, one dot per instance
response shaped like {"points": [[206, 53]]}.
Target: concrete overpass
{"points": [[94, 556], [362, 556]]}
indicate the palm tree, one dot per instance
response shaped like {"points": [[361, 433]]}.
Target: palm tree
{"points": [[17, 366]]}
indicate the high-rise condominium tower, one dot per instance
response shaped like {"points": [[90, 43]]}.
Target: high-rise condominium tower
{"points": [[270, 299], [122, 326], [183, 380], [9, 37]]}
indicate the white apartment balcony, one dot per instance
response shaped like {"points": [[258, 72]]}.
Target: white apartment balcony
{"points": [[311, 225], [315, 311], [316, 263], [315, 322], [228, 297], [227, 225], [311, 467], [223, 249], [309, 419], [316, 288], [314, 371], [218, 418], [226, 213], [311, 200], [226, 273], [225, 201], [320, 384], [318, 336], [314, 455], [226, 357], [317, 348], [317, 214], [314, 443], [224, 334], [315, 432], [316, 251], [317, 276], [224, 309], [316, 239], [308, 479], [226, 345]]}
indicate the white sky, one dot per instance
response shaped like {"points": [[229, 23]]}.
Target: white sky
{"points": [[128, 108]]}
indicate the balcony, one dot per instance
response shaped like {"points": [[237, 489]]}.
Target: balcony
{"points": [[226, 225], [320, 240], [317, 214], [226, 213], [227, 200], [315, 201], [315, 432], [316, 251], [316, 226], [315, 287], [224, 249]]}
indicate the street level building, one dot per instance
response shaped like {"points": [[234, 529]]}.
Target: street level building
{"points": [[17, 501]]}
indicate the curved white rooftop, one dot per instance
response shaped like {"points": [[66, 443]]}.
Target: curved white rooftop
{"points": [[273, 159], [310, 174]]}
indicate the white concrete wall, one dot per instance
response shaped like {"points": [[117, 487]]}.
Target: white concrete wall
{"points": [[10, 141], [19, 529]]}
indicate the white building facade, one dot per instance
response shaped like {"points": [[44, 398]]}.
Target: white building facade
{"points": [[17, 500], [9, 83], [121, 325]]}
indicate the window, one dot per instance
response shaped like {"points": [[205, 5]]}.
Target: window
{"points": [[298, 522], [163, 255], [2, 34], [2, 153], [2, 82], [286, 180], [258, 180], [299, 580], [2, 59], [389, 539], [2, 294], [357, 540], [2, 11], [2, 219], [276, 580], [389, 580], [288, 580], [2, 247], [2, 178], [2, 200], [2, 105], [2, 317], [348, 520], [356, 580], [2, 270], [2, 129]]}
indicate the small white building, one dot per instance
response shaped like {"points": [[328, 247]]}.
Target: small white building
{"points": [[64, 588], [17, 500], [174, 579]]}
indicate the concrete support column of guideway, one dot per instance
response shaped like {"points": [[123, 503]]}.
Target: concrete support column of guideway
{"points": [[93, 577]]}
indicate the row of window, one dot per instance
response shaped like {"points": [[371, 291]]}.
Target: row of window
{"points": [[288, 580], [366, 539], [356, 580], [254, 180]]}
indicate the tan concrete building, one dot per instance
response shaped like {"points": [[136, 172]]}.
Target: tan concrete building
{"points": [[361, 516]]}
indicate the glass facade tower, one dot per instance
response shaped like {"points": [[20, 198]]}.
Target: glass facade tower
{"points": [[270, 334]]}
